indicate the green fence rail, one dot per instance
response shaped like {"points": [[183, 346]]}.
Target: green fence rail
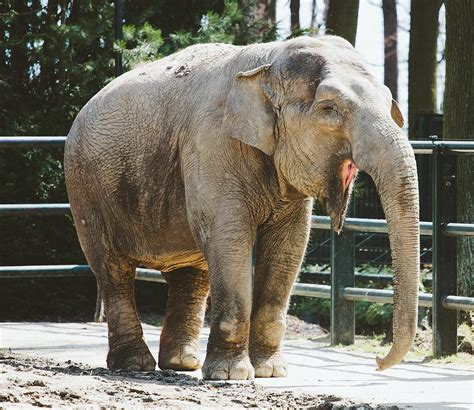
{"points": [[342, 291], [299, 289]]}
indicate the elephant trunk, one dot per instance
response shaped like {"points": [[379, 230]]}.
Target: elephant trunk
{"points": [[391, 164]]}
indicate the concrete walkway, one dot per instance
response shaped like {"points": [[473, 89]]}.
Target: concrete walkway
{"points": [[313, 369]]}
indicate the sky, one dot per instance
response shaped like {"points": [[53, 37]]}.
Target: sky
{"points": [[369, 39]]}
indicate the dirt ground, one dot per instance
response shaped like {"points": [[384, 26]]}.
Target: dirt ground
{"points": [[28, 381], [41, 383]]}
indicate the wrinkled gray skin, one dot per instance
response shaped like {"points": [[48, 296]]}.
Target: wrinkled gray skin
{"points": [[181, 164]]}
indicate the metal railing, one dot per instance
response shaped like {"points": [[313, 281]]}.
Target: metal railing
{"points": [[342, 290]]}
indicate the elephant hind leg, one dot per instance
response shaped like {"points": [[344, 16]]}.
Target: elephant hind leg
{"points": [[127, 347], [179, 342], [114, 272]]}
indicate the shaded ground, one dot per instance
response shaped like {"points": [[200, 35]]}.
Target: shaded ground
{"points": [[46, 383]]}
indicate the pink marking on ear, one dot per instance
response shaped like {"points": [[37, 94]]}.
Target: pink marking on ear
{"points": [[349, 171]]}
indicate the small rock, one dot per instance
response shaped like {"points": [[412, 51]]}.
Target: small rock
{"points": [[38, 383], [37, 403], [8, 398]]}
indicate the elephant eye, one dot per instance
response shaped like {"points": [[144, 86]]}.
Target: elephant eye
{"points": [[329, 110], [327, 106], [328, 114]]}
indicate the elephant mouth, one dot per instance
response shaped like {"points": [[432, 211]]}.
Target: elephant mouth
{"points": [[339, 194], [337, 212]]}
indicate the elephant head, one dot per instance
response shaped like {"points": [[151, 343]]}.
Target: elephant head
{"points": [[320, 115]]}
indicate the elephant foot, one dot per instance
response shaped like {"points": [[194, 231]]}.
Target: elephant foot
{"points": [[182, 357], [222, 366], [269, 364], [134, 357]]}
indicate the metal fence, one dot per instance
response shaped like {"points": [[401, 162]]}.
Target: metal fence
{"points": [[342, 290]]}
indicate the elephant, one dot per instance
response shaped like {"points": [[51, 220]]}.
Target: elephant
{"points": [[197, 163]]}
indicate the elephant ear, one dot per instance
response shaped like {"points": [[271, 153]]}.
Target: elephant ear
{"points": [[397, 114], [248, 114]]}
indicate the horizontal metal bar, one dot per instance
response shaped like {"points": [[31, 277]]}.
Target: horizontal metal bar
{"points": [[150, 275], [39, 271], [424, 299], [311, 290], [457, 302], [458, 147], [420, 147], [142, 274], [299, 289], [321, 222], [367, 295], [458, 229], [380, 296], [34, 209], [426, 228], [375, 277], [359, 276], [28, 142], [364, 225], [380, 226]]}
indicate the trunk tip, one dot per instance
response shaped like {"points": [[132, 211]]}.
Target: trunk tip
{"points": [[381, 364], [386, 362]]}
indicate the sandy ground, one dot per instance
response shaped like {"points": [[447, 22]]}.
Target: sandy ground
{"points": [[44, 383], [62, 364]]}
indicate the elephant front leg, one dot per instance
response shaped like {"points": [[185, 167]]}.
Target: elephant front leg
{"points": [[229, 259], [280, 250], [179, 342]]}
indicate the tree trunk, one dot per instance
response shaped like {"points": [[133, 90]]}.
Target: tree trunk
{"points": [[390, 23], [342, 19], [314, 13], [459, 122], [266, 10], [326, 9], [295, 15], [422, 60]]}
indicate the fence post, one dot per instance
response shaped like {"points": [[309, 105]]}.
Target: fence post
{"points": [[342, 275], [444, 252]]}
